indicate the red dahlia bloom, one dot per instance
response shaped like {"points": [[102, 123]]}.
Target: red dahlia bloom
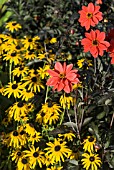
{"points": [[99, 2], [94, 42], [62, 77], [90, 16]]}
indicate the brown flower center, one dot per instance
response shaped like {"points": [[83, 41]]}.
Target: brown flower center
{"points": [[15, 133], [21, 68], [14, 23], [42, 114], [20, 104], [14, 86], [57, 148], [24, 161], [35, 154], [62, 75], [95, 42], [89, 15], [13, 54], [91, 139], [18, 47], [19, 153], [34, 79], [92, 158], [29, 40]]}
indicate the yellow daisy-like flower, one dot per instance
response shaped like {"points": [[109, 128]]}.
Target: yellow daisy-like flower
{"points": [[28, 42], [84, 63], [13, 89], [42, 56], [78, 85], [89, 144], [2, 90], [20, 71], [91, 161], [43, 71], [26, 95], [6, 120], [53, 40], [29, 128], [57, 151], [49, 113], [14, 139], [34, 138], [18, 110], [50, 107], [16, 155], [23, 164], [66, 101], [55, 168], [48, 161], [30, 55], [35, 156], [69, 136], [13, 26], [13, 57], [34, 83]]}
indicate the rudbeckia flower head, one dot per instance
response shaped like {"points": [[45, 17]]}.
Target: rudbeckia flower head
{"points": [[94, 42], [62, 77], [91, 161], [90, 16]]}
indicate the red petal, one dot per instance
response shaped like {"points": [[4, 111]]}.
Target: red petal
{"points": [[68, 68], [53, 73], [90, 7], [59, 67]]}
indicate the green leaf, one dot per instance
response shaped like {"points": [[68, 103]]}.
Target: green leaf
{"points": [[101, 115]]}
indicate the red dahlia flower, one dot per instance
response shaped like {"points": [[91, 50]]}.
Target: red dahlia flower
{"points": [[99, 2], [90, 16], [62, 77], [94, 42]]}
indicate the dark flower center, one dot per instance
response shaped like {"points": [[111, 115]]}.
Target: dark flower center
{"points": [[29, 40], [30, 53], [91, 139], [35, 72], [50, 104], [13, 54], [34, 136], [19, 153], [35, 154], [20, 104], [14, 86], [14, 23], [95, 42], [92, 158], [18, 47], [42, 114], [22, 132], [89, 15], [15, 133], [34, 79], [21, 68], [62, 75], [24, 161], [57, 148]]}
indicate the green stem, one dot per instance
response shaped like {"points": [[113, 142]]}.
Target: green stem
{"points": [[10, 68], [62, 117], [47, 90]]}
